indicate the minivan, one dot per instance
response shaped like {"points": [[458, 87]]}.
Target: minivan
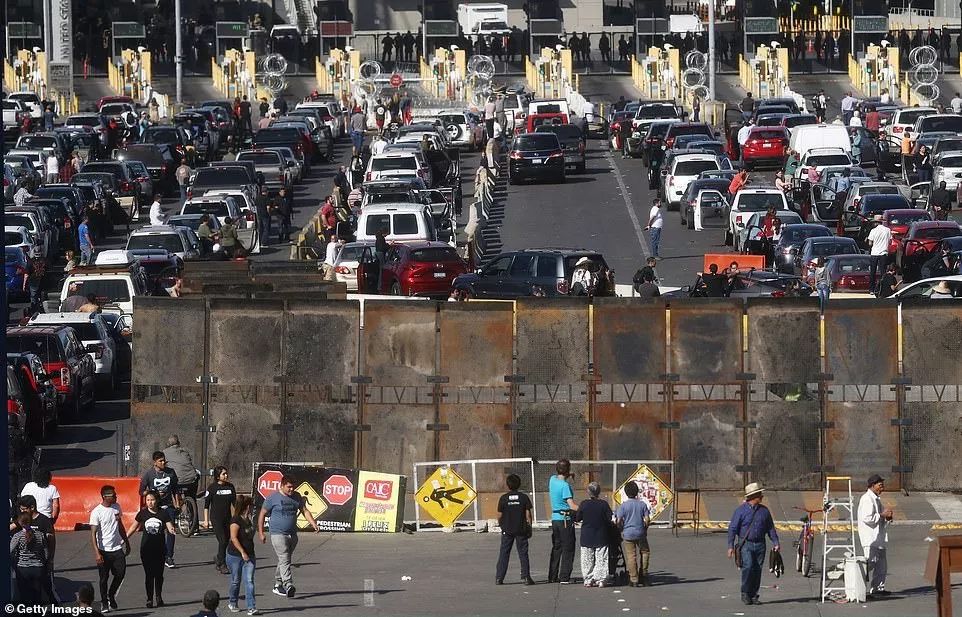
{"points": [[404, 222], [805, 138]]}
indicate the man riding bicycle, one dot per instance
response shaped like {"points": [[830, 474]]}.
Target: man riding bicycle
{"points": [[180, 462], [163, 479]]}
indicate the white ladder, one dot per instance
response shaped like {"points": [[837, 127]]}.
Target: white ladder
{"points": [[306, 19], [837, 545]]}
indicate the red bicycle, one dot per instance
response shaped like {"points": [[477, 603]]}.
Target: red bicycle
{"points": [[805, 543]]}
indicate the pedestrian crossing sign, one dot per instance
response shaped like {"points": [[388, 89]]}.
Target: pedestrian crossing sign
{"points": [[651, 488], [445, 496], [313, 502]]}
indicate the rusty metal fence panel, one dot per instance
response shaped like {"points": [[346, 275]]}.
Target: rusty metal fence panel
{"points": [[551, 395], [784, 364], [165, 397], [245, 413], [628, 340], [399, 364], [320, 364], [706, 341], [476, 354], [861, 429]]}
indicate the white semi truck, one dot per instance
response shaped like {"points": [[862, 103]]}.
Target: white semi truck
{"points": [[483, 19]]}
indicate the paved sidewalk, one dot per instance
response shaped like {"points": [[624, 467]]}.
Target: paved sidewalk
{"points": [[453, 575]]}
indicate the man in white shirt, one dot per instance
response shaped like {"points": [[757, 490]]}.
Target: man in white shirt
{"points": [[330, 254], [956, 103], [848, 106], [156, 214], [743, 134], [873, 520], [109, 540], [885, 97], [588, 110], [378, 145], [53, 169], [655, 223], [878, 241]]}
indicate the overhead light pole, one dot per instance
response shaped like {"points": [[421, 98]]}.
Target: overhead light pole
{"points": [[178, 53]]}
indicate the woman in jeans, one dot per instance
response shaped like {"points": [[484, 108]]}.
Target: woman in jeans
{"points": [[240, 555], [153, 520], [217, 513]]}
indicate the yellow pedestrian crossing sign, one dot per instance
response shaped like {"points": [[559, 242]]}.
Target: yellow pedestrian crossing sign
{"points": [[445, 496], [312, 501], [651, 488]]}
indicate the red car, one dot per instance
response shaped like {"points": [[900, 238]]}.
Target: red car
{"points": [[922, 238], [65, 360], [421, 269], [766, 144], [849, 272], [535, 120], [899, 221]]}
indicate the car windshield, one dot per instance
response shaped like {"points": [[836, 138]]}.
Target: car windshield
{"points": [[949, 123], [693, 168], [33, 343], [13, 220], [678, 129], [452, 118], [107, 168], [823, 160], [821, 249], [949, 145], [881, 203], [950, 161], [147, 154], [192, 221], [658, 129], [215, 208], [83, 121], [279, 135], [393, 163], [878, 190], [848, 265], [86, 331], [351, 252], [106, 290], [936, 233], [656, 111], [753, 202], [160, 136], [435, 253], [389, 198], [793, 121], [11, 238], [36, 142], [563, 131], [778, 134], [112, 109], [260, 158], [83, 176], [910, 116], [905, 218], [11, 255], [405, 225], [171, 242], [222, 177], [536, 141], [799, 235]]}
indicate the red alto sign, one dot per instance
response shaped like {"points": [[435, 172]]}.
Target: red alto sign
{"points": [[380, 490], [338, 490], [269, 482]]}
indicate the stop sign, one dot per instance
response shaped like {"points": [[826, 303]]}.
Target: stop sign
{"points": [[396, 81], [338, 490], [269, 482]]}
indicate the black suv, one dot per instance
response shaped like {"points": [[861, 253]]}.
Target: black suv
{"points": [[65, 360], [535, 272]]}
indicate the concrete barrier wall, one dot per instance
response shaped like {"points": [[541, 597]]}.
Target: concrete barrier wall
{"points": [[765, 391]]}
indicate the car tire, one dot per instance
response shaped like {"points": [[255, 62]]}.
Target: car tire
{"points": [[691, 221], [562, 178], [581, 168], [728, 238], [681, 217], [396, 289]]}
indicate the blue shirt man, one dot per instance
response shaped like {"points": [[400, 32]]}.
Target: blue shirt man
{"points": [[86, 242], [283, 507], [751, 522], [562, 556]]}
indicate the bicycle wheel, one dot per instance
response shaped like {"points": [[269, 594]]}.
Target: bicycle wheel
{"points": [[187, 518], [798, 558], [807, 559]]}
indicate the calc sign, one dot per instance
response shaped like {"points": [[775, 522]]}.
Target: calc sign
{"points": [[378, 489]]}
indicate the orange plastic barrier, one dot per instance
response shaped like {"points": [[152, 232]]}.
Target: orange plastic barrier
{"points": [[745, 262], [81, 494]]}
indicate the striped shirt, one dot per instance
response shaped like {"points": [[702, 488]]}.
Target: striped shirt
{"points": [[31, 554]]}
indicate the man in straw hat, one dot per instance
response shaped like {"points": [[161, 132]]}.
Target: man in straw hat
{"points": [[873, 522], [750, 523]]}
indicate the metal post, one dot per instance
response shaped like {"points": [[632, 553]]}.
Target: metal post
{"points": [[711, 50], [474, 483], [851, 32], [47, 36], [179, 53]]}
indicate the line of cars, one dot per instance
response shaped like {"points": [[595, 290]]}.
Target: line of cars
{"points": [[551, 139]]}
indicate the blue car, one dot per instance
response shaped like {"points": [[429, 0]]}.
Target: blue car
{"points": [[15, 264]]}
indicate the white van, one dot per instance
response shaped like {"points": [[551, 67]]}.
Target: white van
{"points": [[809, 136], [404, 222], [553, 106]]}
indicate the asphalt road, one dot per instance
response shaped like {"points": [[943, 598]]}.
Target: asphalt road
{"points": [[435, 574]]}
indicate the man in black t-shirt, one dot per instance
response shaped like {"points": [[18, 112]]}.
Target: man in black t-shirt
{"points": [[514, 518]]}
